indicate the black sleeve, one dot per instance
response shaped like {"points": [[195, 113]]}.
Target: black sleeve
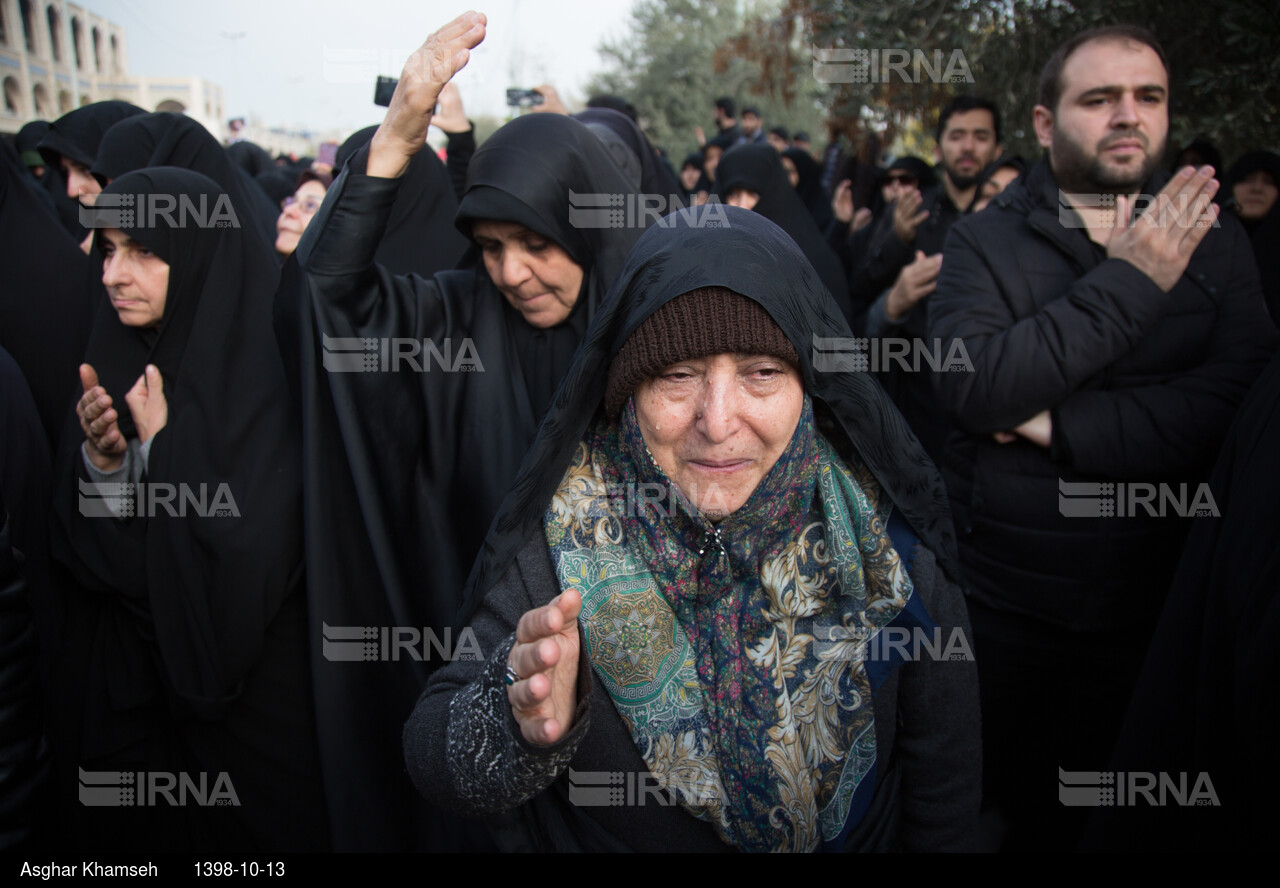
{"points": [[458, 152]]}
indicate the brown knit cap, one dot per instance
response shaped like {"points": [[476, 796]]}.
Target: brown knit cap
{"points": [[706, 321]]}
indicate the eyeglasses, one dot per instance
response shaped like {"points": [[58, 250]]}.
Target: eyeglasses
{"points": [[900, 180], [308, 206]]}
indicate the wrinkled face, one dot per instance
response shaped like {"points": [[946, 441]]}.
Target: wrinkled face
{"points": [[743, 197], [793, 174], [999, 180], [297, 214], [1112, 121], [968, 145], [136, 279], [1256, 194], [689, 177], [81, 185], [717, 425], [535, 274]]}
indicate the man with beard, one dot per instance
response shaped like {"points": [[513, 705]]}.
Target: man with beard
{"points": [[900, 268], [1110, 350]]}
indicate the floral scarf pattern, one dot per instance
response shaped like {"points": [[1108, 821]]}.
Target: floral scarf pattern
{"points": [[735, 652]]}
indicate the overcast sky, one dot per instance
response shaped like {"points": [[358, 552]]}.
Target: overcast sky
{"points": [[313, 63]]}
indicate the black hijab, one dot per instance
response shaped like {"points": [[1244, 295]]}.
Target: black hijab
{"points": [[1264, 233], [67, 209], [809, 188], [757, 167], [250, 157], [633, 154], [46, 305], [77, 134], [420, 237], [174, 140], [718, 246]]}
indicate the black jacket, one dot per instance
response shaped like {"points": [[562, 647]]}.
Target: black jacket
{"points": [[1142, 385]]}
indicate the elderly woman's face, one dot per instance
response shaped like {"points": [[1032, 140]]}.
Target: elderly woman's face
{"points": [[717, 425]]}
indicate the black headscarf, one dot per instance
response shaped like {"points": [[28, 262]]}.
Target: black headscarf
{"points": [[632, 153], [1264, 233], [167, 139], [250, 157], [46, 304], [278, 183], [757, 167], [77, 134], [718, 246], [177, 620], [420, 237], [809, 188], [67, 209]]}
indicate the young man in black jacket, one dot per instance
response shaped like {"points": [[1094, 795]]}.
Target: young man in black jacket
{"points": [[1105, 350]]}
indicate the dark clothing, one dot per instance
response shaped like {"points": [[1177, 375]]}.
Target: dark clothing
{"points": [[406, 469], [251, 158], [1264, 233], [458, 152], [51, 180], [809, 187], [634, 156]]}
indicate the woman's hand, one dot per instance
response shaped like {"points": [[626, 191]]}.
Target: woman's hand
{"points": [[451, 118], [545, 657], [404, 130], [147, 404], [104, 445]]}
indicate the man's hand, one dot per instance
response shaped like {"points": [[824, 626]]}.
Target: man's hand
{"points": [[104, 445], [916, 280], [907, 215], [451, 118], [147, 404], [1161, 241], [404, 130], [700, 136], [545, 656], [842, 202], [1038, 430]]}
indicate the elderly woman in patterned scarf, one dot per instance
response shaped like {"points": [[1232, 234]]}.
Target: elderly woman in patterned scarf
{"points": [[718, 610]]}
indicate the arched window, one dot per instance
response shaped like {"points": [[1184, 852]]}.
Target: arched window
{"points": [[115, 56], [44, 107], [84, 99], [172, 105], [28, 27], [97, 49], [77, 38], [55, 33], [12, 96], [64, 101]]}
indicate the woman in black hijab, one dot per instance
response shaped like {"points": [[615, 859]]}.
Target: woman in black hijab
{"points": [[651, 699], [420, 237], [419, 397], [808, 185], [1252, 184], [751, 176], [167, 139], [186, 637], [50, 178], [630, 149]]}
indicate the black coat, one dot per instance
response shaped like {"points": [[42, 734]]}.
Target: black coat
{"points": [[1142, 386]]}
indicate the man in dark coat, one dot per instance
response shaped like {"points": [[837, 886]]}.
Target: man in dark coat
{"points": [[1109, 353], [900, 268]]}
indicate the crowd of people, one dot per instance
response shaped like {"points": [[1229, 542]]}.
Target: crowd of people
{"points": [[328, 488]]}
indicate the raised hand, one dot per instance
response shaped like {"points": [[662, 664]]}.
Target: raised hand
{"points": [[551, 101], [451, 118], [907, 215], [545, 657], [916, 281], [842, 202], [147, 404], [1160, 242], [104, 445], [404, 130]]}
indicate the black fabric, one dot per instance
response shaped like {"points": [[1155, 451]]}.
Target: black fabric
{"points": [[51, 181], [277, 184], [77, 134], [251, 158], [1264, 233], [47, 302], [809, 187], [758, 168], [405, 470], [1205, 701], [752, 256], [420, 238], [174, 140], [1141, 386], [188, 632], [632, 152]]}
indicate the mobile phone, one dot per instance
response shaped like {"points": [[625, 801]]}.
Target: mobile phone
{"points": [[384, 89], [524, 98], [328, 153]]}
